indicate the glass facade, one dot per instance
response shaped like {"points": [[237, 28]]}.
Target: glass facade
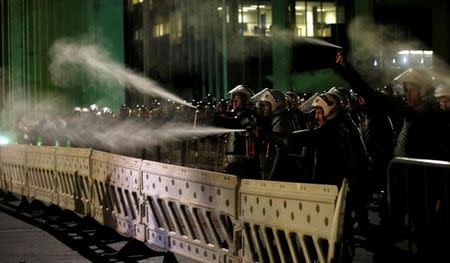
{"points": [[198, 47], [29, 28]]}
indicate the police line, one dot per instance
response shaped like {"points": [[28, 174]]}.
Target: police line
{"points": [[207, 216]]}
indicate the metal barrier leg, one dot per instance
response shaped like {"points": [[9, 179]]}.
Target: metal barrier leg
{"points": [[170, 258], [135, 248], [24, 205], [87, 222], [9, 197]]}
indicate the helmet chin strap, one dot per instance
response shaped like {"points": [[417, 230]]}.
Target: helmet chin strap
{"points": [[333, 114], [278, 111]]}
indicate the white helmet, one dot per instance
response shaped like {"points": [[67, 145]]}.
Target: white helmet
{"points": [[240, 89], [76, 111], [276, 99], [106, 110], [255, 98], [419, 78], [329, 103], [335, 91], [441, 91], [84, 111], [93, 108]]}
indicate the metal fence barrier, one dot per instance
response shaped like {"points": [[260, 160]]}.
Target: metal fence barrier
{"points": [[418, 203], [204, 215]]}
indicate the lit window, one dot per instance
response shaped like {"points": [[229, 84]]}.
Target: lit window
{"points": [[300, 19], [160, 30], [416, 52], [139, 34], [135, 2], [413, 57], [176, 27], [255, 19], [314, 18]]}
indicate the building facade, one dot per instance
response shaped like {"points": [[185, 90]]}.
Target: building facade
{"points": [[29, 28], [207, 47], [198, 47]]}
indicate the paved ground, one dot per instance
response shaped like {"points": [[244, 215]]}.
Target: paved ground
{"points": [[32, 235], [22, 242], [41, 234]]}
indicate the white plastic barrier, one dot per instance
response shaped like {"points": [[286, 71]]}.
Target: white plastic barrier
{"points": [[14, 170], [190, 212], [116, 198], [41, 173], [290, 222], [73, 178], [200, 214]]}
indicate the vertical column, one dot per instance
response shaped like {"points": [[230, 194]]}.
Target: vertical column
{"points": [[210, 35], [281, 47], [243, 48], [38, 49], [218, 55], [107, 24], [114, 14], [50, 38], [196, 34], [188, 36], [147, 28], [14, 48], [203, 47], [440, 32], [3, 66], [364, 8], [31, 50], [26, 52], [44, 48], [8, 50], [89, 87], [292, 15]]}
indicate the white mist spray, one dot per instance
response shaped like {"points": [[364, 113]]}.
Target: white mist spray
{"points": [[68, 57], [371, 42], [136, 133]]}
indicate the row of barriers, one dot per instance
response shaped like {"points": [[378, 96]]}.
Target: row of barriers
{"points": [[207, 216]]}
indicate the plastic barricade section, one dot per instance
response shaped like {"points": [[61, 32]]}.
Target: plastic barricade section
{"points": [[189, 211], [204, 215], [14, 170], [73, 178], [287, 222], [116, 198], [41, 169]]}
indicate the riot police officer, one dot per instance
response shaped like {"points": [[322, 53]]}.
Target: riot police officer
{"points": [[240, 148], [277, 163]]}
